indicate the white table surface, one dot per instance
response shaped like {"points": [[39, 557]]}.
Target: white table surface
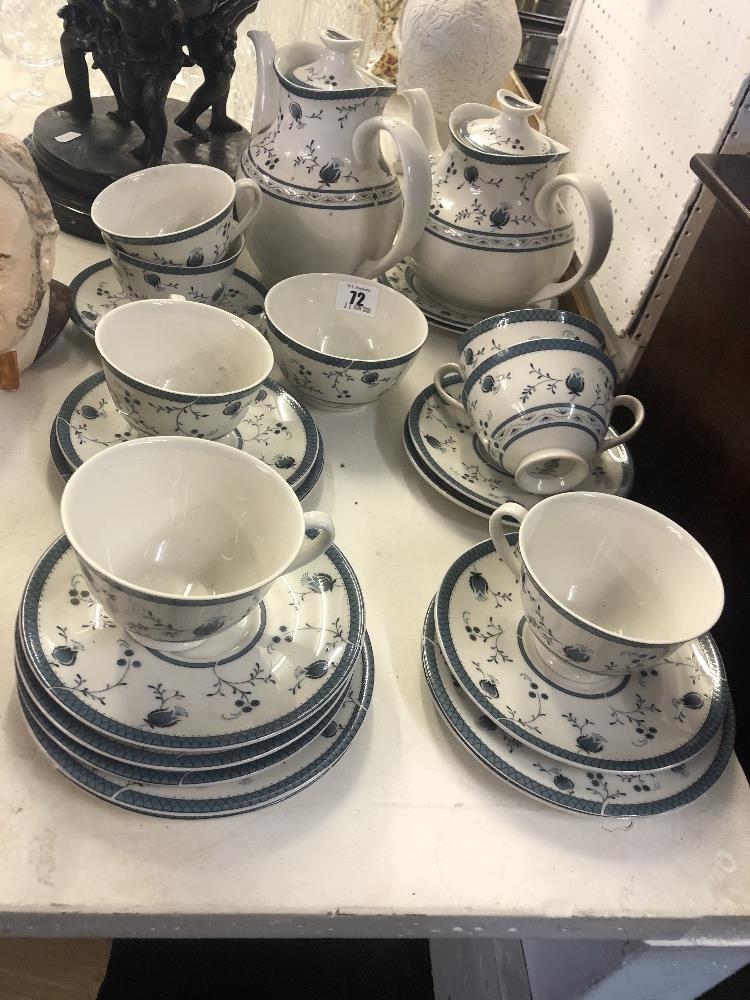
{"points": [[408, 835]]}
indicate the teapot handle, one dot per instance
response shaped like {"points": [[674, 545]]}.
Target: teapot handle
{"points": [[417, 188], [599, 212]]}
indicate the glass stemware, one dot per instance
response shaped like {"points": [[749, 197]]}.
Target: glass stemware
{"points": [[30, 36]]}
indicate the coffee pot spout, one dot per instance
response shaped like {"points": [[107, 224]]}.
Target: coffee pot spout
{"points": [[267, 86]]}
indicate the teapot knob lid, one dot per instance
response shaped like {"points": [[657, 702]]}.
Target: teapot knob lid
{"points": [[336, 41], [512, 104]]}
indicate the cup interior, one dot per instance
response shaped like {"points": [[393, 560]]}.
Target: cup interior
{"points": [[182, 518], [622, 567], [162, 200], [304, 309], [183, 347]]}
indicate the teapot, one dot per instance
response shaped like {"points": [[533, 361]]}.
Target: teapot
{"points": [[329, 201], [498, 236]]}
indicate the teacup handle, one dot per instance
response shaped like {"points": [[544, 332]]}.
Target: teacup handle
{"points": [[245, 184], [443, 370], [417, 187], [311, 548], [599, 213], [499, 540], [636, 408]]}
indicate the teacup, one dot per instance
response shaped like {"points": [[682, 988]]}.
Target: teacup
{"points": [[608, 586], [342, 341], [142, 279], [541, 410], [181, 539], [177, 214], [181, 368], [498, 333]]}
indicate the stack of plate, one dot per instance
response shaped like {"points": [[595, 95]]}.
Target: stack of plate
{"points": [[637, 745], [278, 430], [443, 448], [223, 729]]}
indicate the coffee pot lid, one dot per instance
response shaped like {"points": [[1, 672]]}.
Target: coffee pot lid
{"points": [[508, 132], [335, 69]]}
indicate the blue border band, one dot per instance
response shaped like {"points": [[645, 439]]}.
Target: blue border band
{"points": [[466, 246], [501, 320], [678, 756], [503, 769]]}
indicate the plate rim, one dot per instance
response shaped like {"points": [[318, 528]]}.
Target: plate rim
{"points": [[680, 755]]}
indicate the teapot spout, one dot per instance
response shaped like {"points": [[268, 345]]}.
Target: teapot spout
{"points": [[423, 119], [267, 86]]}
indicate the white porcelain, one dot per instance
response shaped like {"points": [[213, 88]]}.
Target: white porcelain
{"points": [[177, 367], [458, 50], [659, 716], [445, 451], [498, 236], [520, 326], [142, 279], [336, 358], [541, 410], [175, 214], [608, 586], [329, 201], [180, 539]]}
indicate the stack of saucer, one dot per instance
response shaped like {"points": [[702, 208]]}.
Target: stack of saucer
{"points": [[558, 722], [153, 672], [277, 429]]}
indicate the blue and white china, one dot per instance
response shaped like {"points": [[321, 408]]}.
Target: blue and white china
{"points": [[341, 341], [520, 326], [186, 777], [558, 783], [328, 198], [97, 290], [178, 367], [142, 279], [175, 214], [498, 236], [305, 640], [401, 278], [659, 716], [608, 586], [541, 410], [181, 539], [276, 428], [275, 784], [187, 766], [445, 450]]}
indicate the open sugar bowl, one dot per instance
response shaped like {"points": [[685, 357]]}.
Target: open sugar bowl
{"points": [[341, 341], [181, 368]]}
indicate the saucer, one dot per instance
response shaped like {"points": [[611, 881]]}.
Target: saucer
{"points": [[284, 664], [657, 718], [89, 757], [644, 793], [401, 279], [273, 785], [149, 759], [97, 290], [277, 429], [446, 453]]}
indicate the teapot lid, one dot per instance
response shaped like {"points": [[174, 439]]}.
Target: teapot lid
{"points": [[335, 69], [508, 132]]}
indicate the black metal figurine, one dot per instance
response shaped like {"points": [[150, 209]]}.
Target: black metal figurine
{"points": [[140, 46]]}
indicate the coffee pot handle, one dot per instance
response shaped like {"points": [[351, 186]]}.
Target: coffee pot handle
{"points": [[599, 213], [499, 539], [417, 187], [311, 548]]}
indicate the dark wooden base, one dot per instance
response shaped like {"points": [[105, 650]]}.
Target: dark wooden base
{"points": [[74, 172]]}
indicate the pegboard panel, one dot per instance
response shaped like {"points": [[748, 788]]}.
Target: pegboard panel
{"points": [[636, 89]]}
